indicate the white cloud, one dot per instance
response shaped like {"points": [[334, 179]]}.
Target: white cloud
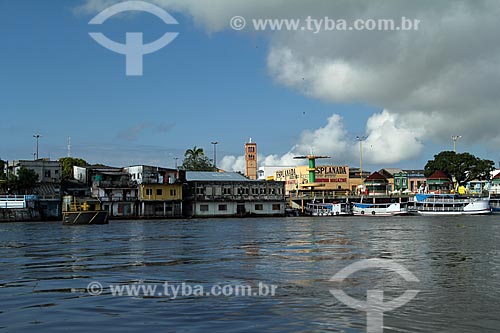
{"points": [[389, 139], [232, 163]]}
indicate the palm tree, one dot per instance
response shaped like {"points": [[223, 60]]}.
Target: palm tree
{"points": [[194, 153], [195, 160]]}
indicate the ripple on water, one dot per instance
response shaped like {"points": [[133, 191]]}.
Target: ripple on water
{"points": [[46, 269]]}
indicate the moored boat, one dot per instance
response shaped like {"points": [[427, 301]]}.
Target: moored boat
{"points": [[328, 209], [379, 209], [495, 205], [449, 204], [83, 211]]}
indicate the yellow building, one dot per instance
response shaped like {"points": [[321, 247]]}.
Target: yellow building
{"points": [[160, 200], [160, 192]]}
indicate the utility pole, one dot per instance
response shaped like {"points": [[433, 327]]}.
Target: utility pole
{"points": [[361, 139], [36, 136], [215, 154], [455, 138]]}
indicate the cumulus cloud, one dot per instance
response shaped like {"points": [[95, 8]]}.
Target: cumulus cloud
{"points": [[232, 163], [389, 139], [431, 83]]}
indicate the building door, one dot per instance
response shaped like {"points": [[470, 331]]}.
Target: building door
{"points": [[240, 209]]}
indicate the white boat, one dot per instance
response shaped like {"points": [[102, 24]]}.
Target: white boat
{"points": [[449, 204], [327, 209], [379, 209], [495, 205]]}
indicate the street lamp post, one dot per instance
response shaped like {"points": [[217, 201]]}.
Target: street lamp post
{"points": [[215, 154], [361, 139], [455, 138], [36, 136]]}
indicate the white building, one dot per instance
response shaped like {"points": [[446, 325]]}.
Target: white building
{"points": [[145, 174], [48, 171], [231, 194]]}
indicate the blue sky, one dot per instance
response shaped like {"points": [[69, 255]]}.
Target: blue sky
{"points": [[208, 84]]}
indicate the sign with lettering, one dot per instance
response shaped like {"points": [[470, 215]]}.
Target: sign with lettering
{"points": [[325, 170]]}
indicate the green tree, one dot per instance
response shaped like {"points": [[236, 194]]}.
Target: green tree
{"points": [[26, 180], [195, 160], [67, 164], [463, 167]]}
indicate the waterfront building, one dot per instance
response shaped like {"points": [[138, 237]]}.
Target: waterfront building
{"points": [[267, 172], [495, 184], [140, 190], [439, 183], [151, 175], [377, 184], [160, 199], [389, 173], [356, 180], [251, 160], [329, 180], [48, 171], [48, 187], [112, 186], [231, 194], [409, 180]]}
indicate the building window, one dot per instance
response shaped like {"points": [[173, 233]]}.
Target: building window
{"points": [[149, 191], [276, 206], [259, 207], [226, 190], [47, 173], [251, 149], [173, 192], [203, 208], [222, 207], [200, 190], [159, 191], [56, 172]]}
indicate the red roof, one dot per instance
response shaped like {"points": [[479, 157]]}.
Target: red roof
{"points": [[375, 176], [438, 175], [497, 176]]}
